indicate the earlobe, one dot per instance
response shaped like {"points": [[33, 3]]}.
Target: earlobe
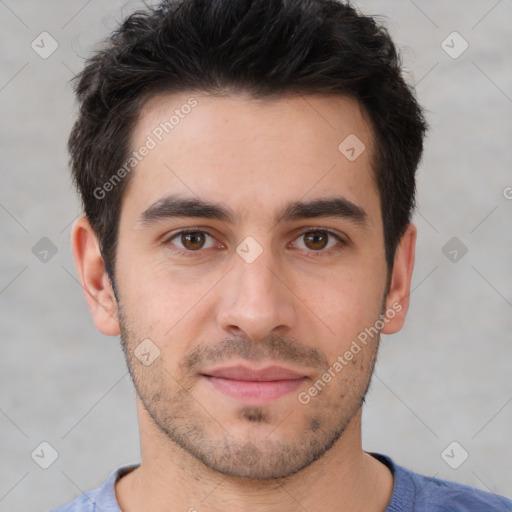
{"points": [[94, 278], [397, 300]]}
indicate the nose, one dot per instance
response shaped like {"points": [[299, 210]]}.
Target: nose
{"points": [[256, 299]]}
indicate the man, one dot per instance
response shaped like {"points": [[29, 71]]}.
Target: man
{"points": [[247, 170]]}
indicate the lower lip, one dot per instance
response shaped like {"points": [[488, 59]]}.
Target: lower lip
{"points": [[255, 391]]}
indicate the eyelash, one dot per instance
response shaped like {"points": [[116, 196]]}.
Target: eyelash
{"points": [[315, 254]]}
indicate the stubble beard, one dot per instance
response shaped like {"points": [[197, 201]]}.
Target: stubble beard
{"points": [[191, 426]]}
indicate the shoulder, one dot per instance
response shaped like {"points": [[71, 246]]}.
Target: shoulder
{"points": [[418, 493], [102, 499], [84, 503], [437, 494]]}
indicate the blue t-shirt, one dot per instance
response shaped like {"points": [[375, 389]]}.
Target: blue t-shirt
{"points": [[411, 493]]}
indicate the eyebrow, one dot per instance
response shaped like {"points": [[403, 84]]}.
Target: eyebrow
{"points": [[174, 206]]}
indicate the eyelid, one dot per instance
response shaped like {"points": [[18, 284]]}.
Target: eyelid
{"points": [[332, 232]]}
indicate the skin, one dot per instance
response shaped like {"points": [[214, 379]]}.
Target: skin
{"points": [[299, 305]]}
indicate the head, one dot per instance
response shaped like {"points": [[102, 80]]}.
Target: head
{"points": [[283, 137]]}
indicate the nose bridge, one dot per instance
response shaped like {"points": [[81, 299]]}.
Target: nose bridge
{"points": [[255, 300]]}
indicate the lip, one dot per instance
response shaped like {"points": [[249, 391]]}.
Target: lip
{"points": [[254, 386], [269, 373]]}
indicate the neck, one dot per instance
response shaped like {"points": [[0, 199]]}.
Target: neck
{"points": [[344, 479]]}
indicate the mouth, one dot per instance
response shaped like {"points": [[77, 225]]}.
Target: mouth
{"points": [[254, 386]]}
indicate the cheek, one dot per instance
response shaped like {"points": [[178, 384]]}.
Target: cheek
{"points": [[152, 287], [342, 305], [167, 306]]}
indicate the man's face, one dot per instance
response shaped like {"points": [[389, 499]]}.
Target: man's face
{"points": [[248, 312]]}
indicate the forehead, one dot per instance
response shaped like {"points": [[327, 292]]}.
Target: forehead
{"points": [[253, 155]]}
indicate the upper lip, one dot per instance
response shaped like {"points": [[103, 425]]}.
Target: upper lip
{"points": [[267, 374]]}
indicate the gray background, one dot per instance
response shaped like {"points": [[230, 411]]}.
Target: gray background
{"points": [[445, 377]]}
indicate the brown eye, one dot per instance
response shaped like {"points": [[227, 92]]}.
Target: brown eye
{"points": [[193, 240], [317, 240]]}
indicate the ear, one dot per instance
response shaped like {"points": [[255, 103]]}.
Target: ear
{"points": [[397, 300], [94, 278]]}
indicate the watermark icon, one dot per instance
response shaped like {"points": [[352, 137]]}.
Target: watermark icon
{"points": [[507, 193], [157, 135], [351, 147], [249, 454], [454, 45], [44, 250], [454, 249], [147, 352], [44, 455], [304, 397], [249, 249], [454, 455], [44, 45]]}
